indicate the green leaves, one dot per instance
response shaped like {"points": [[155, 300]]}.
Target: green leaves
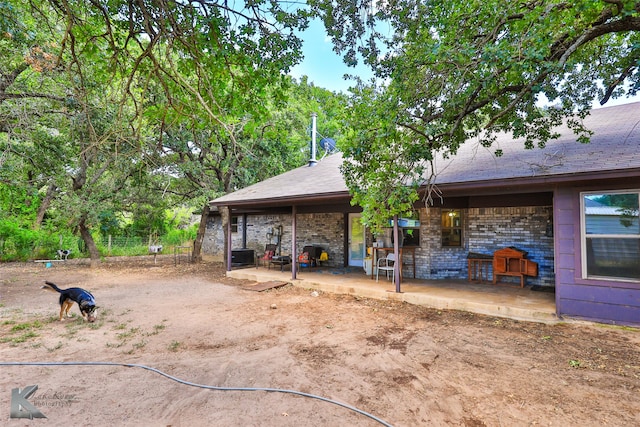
{"points": [[118, 105], [452, 71]]}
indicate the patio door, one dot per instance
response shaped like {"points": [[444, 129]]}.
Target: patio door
{"points": [[356, 240]]}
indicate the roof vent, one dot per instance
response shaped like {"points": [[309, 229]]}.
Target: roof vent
{"points": [[313, 161]]}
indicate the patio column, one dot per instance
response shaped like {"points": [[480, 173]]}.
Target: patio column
{"points": [[396, 252], [294, 264], [228, 242]]}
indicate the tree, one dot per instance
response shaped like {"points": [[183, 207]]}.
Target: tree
{"points": [[31, 99], [202, 63], [212, 160], [450, 71], [104, 70]]}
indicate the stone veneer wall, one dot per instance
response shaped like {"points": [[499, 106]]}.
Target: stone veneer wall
{"points": [[213, 240], [324, 230], [485, 230]]}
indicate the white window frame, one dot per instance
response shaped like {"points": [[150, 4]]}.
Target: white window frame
{"points": [[583, 234]]}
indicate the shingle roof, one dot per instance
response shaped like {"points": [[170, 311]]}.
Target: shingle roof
{"points": [[614, 146], [323, 179]]}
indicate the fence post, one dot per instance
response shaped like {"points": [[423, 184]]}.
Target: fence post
{"points": [[109, 245]]}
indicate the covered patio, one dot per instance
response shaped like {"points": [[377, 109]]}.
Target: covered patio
{"points": [[501, 300], [534, 202]]}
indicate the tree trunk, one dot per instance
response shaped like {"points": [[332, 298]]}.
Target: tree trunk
{"points": [[85, 233], [46, 202], [197, 244]]}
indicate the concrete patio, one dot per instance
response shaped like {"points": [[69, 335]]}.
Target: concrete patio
{"points": [[503, 299]]}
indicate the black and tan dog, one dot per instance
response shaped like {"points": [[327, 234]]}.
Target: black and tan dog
{"points": [[85, 301]]}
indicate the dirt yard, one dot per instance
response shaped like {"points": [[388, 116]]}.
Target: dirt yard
{"points": [[388, 362]]}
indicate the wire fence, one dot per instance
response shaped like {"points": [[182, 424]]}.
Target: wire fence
{"points": [[50, 247], [136, 245]]}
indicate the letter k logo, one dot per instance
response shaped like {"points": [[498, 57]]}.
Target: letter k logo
{"points": [[20, 406]]}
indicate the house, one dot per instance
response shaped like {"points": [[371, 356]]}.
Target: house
{"points": [[572, 208]]}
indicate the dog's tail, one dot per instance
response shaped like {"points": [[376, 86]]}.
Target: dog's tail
{"points": [[51, 287]]}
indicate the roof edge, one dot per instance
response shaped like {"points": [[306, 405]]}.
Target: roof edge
{"points": [[307, 199], [542, 180]]}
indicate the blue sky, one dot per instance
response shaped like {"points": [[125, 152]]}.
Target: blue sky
{"points": [[322, 65], [326, 69]]}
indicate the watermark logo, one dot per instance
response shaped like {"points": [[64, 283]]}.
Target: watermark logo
{"points": [[21, 407]]}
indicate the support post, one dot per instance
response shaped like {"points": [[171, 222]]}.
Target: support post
{"points": [[294, 250], [228, 239], [396, 251]]}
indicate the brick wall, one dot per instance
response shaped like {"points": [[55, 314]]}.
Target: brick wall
{"points": [[484, 230], [324, 230], [524, 228]]}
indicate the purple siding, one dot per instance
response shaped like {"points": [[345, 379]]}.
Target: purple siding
{"points": [[603, 312], [620, 297], [564, 276], [605, 301]]}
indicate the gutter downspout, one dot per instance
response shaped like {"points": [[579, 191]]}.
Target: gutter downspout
{"points": [[313, 161]]}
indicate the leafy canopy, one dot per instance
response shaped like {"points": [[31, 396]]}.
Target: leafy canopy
{"points": [[448, 71], [90, 90]]}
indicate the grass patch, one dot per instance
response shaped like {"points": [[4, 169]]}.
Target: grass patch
{"points": [[116, 345], [26, 326], [128, 334], [157, 329], [174, 345], [125, 337], [20, 338], [95, 325], [21, 332], [104, 311]]}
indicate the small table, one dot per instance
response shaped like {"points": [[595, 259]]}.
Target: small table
{"points": [[281, 260]]}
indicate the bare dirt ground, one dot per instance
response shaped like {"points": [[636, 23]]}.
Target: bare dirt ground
{"points": [[402, 364]]}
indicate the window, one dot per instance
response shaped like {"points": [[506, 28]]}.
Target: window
{"points": [[234, 224], [410, 237], [611, 235], [451, 227], [409, 226]]}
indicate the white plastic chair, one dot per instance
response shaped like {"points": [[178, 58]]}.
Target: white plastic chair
{"points": [[387, 264]]}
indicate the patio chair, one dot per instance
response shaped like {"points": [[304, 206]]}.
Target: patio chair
{"points": [[269, 252], [387, 264], [310, 256]]}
